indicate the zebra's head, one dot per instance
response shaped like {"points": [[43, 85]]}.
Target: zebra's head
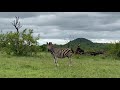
{"points": [[49, 46]]}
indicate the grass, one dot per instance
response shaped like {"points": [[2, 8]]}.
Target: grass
{"points": [[43, 67]]}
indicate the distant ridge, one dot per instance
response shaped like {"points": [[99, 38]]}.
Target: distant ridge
{"points": [[85, 44], [81, 40]]}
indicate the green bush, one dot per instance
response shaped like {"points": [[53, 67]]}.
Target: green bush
{"points": [[114, 50], [22, 43]]}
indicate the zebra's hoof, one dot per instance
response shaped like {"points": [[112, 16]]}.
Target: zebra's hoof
{"points": [[70, 65], [57, 65]]}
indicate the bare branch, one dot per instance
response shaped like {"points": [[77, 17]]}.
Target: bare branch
{"points": [[16, 24], [20, 27], [12, 23]]}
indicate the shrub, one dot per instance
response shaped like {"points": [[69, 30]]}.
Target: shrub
{"points": [[114, 49], [22, 43]]}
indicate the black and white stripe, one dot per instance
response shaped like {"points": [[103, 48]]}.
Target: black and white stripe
{"points": [[59, 52]]}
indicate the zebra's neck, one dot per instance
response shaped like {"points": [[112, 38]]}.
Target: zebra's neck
{"points": [[52, 50]]}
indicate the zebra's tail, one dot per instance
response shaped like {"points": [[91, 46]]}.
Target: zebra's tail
{"points": [[72, 50]]}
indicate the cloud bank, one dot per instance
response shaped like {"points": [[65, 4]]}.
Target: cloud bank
{"points": [[59, 26]]}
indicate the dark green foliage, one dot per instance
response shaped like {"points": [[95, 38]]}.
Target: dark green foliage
{"points": [[2, 39], [114, 50], [22, 43], [85, 44], [42, 48]]}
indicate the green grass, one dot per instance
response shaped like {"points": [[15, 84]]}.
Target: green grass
{"points": [[43, 67]]}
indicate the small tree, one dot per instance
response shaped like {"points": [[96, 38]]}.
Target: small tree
{"points": [[19, 43], [27, 43], [17, 26]]}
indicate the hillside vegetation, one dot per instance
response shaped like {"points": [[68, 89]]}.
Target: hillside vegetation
{"points": [[85, 44]]}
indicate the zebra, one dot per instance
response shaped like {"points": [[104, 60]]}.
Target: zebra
{"points": [[59, 53]]}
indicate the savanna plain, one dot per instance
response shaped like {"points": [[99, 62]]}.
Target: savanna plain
{"points": [[42, 66]]}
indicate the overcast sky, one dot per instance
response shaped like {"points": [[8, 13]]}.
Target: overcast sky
{"points": [[60, 27]]}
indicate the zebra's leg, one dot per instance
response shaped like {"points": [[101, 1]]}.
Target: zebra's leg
{"points": [[70, 61], [55, 61]]}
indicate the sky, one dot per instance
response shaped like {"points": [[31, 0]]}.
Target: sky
{"points": [[61, 27]]}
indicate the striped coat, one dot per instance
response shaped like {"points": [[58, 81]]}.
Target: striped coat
{"points": [[59, 52]]}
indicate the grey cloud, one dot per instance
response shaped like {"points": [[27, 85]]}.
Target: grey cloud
{"points": [[62, 25], [21, 14]]}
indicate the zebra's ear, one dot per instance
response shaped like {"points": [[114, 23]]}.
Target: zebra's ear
{"points": [[47, 43], [50, 43]]}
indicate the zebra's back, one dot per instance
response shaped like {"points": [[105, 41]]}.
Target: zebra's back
{"points": [[62, 52]]}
